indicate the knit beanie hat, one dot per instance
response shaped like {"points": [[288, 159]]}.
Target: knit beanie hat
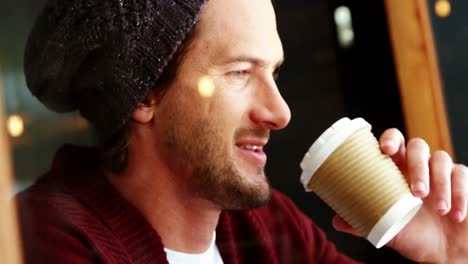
{"points": [[101, 57]]}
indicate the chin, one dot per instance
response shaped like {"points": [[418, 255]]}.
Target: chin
{"points": [[259, 200], [247, 196], [232, 186]]}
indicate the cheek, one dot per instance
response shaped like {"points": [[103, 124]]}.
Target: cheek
{"points": [[228, 121], [225, 111], [229, 110], [230, 100]]}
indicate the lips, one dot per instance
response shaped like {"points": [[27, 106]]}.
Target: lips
{"points": [[252, 150]]}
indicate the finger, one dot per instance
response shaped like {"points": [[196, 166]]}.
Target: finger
{"points": [[417, 160], [440, 172], [459, 192], [392, 143], [341, 225]]}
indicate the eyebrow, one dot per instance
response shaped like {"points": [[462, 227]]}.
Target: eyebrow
{"points": [[253, 60]]}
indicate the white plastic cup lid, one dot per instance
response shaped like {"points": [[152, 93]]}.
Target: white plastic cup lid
{"points": [[326, 144]]}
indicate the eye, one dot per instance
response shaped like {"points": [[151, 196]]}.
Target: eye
{"points": [[240, 74], [238, 78]]}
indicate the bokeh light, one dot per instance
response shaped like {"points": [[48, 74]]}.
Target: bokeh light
{"points": [[443, 8], [344, 26], [206, 86], [15, 125]]}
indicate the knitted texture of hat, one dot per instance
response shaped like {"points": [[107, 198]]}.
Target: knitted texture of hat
{"points": [[102, 57]]}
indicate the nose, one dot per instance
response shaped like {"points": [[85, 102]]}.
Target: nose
{"points": [[270, 109]]}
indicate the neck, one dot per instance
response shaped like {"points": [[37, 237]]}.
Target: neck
{"points": [[184, 222]]}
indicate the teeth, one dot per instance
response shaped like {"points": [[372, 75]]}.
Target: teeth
{"points": [[252, 147]]}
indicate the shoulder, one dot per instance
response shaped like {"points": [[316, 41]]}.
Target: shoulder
{"points": [[56, 225], [48, 202]]}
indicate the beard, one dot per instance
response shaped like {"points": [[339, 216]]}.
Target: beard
{"points": [[198, 151]]}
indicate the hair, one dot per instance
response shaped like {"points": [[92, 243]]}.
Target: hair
{"points": [[114, 152]]}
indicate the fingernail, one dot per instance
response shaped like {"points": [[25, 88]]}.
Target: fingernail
{"points": [[442, 207], [459, 217], [419, 188], [388, 144]]}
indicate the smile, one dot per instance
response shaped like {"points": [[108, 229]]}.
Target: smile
{"points": [[252, 148], [253, 154]]}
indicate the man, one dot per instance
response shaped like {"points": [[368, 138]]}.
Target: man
{"points": [[179, 177]]}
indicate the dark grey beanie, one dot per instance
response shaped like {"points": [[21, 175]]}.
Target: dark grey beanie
{"points": [[102, 57]]}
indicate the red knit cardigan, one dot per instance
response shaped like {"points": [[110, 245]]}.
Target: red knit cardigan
{"points": [[74, 215]]}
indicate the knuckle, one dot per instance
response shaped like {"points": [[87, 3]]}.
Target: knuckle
{"points": [[460, 171], [418, 165], [441, 183], [418, 142], [441, 156], [458, 196]]}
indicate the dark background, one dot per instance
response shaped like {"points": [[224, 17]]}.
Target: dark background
{"points": [[320, 80], [451, 40]]}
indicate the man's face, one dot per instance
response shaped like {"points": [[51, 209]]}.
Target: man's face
{"points": [[214, 141]]}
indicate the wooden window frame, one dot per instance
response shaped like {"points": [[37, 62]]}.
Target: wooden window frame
{"points": [[10, 250], [418, 72]]}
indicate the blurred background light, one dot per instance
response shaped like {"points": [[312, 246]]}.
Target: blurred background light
{"points": [[206, 86], [15, 125], [343, 16], [442, 8], [344, 26]]}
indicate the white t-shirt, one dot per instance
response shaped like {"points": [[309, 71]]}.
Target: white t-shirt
{"points": [[211, 256]]}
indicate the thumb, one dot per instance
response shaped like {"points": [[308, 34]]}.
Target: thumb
{"points": [[341, 225]]}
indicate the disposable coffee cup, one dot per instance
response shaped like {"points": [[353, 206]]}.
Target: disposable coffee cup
{"points": [[347, 170]]}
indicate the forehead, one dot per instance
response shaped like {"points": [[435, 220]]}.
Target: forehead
{"points": [[239, 27]]}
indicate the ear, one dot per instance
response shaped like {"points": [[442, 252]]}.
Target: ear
{"points": [[145, 110]]}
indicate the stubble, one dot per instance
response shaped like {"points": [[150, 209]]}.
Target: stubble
{"points": [[211, 171]]}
